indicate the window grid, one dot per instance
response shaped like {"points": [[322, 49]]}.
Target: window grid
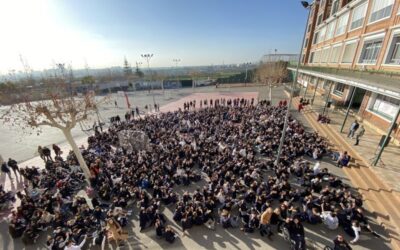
{"points": [[342, 24], [324, 55], [358, 16], [335, 54], [330, 30], [381, 9], [370, 52], [335, 7], [339, 89], [311, 60], [394, 51], [349, 52], [321, 34], [385, 106]]}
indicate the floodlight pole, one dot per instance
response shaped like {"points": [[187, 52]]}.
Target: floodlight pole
{"points": [[176, 61], [245, 80], [307, 6], [148, 57]]}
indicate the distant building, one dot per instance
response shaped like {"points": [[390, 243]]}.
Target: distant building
{"points": [[280, 57]]}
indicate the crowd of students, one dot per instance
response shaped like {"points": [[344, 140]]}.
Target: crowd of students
{"points": [[228, 144]]}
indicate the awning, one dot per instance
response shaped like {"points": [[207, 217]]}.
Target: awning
{"points": [[383, 86]]}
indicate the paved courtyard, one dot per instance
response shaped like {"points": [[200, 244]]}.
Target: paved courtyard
{"points": [[199, 237]]}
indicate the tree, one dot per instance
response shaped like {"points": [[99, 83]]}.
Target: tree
{"points": [[272, 73], [127, 68], [139, 73], [88, 80], [61, 111]]}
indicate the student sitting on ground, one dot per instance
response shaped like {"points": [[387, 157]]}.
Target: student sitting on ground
{"points": [[342, 159]]}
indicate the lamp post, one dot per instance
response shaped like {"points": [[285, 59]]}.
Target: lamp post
{"points": [[308, 6], [138, 72], [138, 64], [148, 57], [247, 66]]}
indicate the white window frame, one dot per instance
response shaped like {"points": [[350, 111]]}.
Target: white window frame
{"points": [[325, 52], [365, 5], [320, 15], [337, 92], [339, 52], [344, 49], [315, 38], [312, 54], [371, 103], [338, 7], [321, 35], [319, 55], [375, 50], [395, 33], [373, 2], [367, 39], [346, 17], [330, 30]]}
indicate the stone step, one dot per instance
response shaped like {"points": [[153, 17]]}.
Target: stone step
{"points": [[380, 201]]}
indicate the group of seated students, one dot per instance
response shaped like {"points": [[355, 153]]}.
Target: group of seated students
{"points": [[231, 146], [6, 198], [323, 119]]}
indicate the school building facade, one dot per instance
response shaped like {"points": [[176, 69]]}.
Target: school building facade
{"points": [[351, 54]]}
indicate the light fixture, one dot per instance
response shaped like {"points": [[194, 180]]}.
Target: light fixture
{"points": [[305, 4]]}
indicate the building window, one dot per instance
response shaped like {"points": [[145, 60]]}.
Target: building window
{"points": [[321, 35], [358, 16], [316, 35], [342, 24], [381, 9], [330, 30], [339, 89], [370, 51], [335, 6], [349, 52], [393, 56], [319, 20], [317, 56], [335, 54], [384, 106], [311, 60], [324, 55]]}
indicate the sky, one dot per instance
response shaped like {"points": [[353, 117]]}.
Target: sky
{"points": [[100, 33]]}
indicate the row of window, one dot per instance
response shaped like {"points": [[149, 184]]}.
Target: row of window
{"points": [[334, 7], [346, 52], [380, 9]]}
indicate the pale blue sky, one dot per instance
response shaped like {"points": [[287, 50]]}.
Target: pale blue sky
{"points": [[102, 32]]}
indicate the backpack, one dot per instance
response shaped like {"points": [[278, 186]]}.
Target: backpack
{"points": [[349, 230], [4, 168]]}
